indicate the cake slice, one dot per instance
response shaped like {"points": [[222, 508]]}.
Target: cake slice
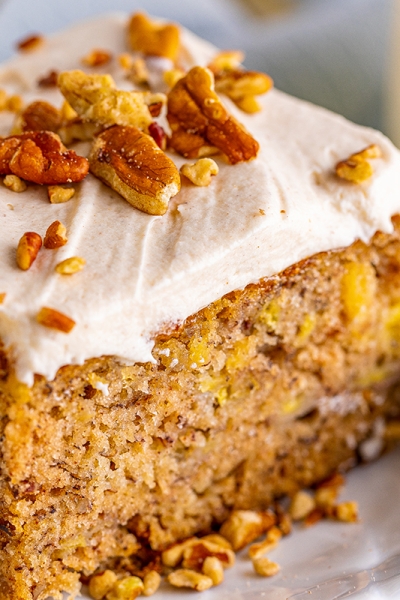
{"points": [[241, 346]]}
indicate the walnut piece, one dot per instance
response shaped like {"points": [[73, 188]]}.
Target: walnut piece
{"points": [[127, 588], [38, 116], [200, 172], [225, 61], [242, 87], [28, 249], [301, 505], [271, 541], [357, 167], [14, 183], [151, 583], [265, 567], [49, 317], [101, 583], [347, 511], [152, 38], [195, 554], [97, 58], [95, 99], [55, 236], [71, 265], [40, 157], [198, 118], [59, 195], [49, 80], [212, 567], [131, 163], [2, 297], [187, 578], [244, 526]]}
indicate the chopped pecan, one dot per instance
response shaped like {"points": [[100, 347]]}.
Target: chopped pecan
{"points": [[69, 266], [357, 167], [97, 58], [212, 567], [101, 583], [151, 583], [225, 61], [301, 505], [2, 297], [265, 567], [14, 183], [190, 579], [197, 117], [195, 554], [95, 98], [55, 236], [49, 80], [28, 249], [153, 39], [59, 195], [40, 157], [49, 317], [241, 87], [38, 116], [130, 162], [244, 526], [33, 42], [201, 171], [347, 511]]}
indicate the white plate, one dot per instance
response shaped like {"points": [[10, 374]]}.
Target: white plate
{"points": [[330, 560]]}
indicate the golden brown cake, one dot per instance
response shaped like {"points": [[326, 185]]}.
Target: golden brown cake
{"points": [[213, 349]]}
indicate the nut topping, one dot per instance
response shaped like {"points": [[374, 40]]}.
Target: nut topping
{"points": [[131, 163], [27, 250], [198, 118], [201, 171], [69, 266], [153, 39], [59, 195], [49, 80], [33, 42], [95, 98], [55, 236], [97, 58], [38, 116], [49, 317], [190, 579], [40, 157], [357, 167], [14, 183]]}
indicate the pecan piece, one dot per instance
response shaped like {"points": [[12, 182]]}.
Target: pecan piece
{"points": [[28, 249], [197, 117], [153, 39], [131, 163], [97, 58], [49, 317], [95, 98], [241, 87], [38, 116], [40, 157], [357, 167], [33, 42], [56, 236], [49, 80]]}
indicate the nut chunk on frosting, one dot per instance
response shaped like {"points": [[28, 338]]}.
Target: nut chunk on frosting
{"points": [[131, 163], [198, 120], [152, 38], [95, 98], [40, 157]]}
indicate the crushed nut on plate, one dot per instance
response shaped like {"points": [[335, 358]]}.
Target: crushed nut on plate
{"points": [[187, 578], [131, 163], [151, 583], [244, 526], [28, 249], [265, 567], [49, 317]]}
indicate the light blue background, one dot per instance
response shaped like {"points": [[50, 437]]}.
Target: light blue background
{"points": [[332, 52]]}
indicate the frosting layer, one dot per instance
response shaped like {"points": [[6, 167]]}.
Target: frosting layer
{"points": [[142, 272]]}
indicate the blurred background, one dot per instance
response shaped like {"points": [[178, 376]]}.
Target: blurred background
{"points": [[337, 53]]}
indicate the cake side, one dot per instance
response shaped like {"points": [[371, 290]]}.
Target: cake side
{"points": [[263, 215], [266, 390]]}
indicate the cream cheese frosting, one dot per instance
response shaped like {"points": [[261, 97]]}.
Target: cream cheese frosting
{"points": [[143, 272]]}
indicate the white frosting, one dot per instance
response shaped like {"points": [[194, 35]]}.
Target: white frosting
{"points": [[254, 220]]}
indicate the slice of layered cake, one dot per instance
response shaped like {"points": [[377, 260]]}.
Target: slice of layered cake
{"points": [[174, 346]]}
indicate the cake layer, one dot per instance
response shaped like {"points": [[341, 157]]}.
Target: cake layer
{"points": [[254, 220], [266, 390]]}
